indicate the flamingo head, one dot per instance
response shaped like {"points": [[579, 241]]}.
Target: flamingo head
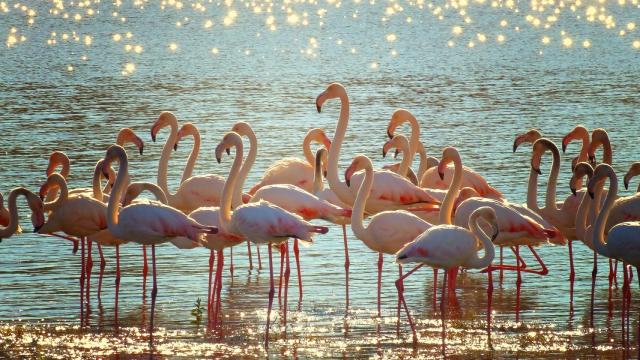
{"points": [[634, 170], [126, 135], [53, 182], [230, 139], [58, 158], [166, 118], [581, 169], [601, 171], [399, 142], [334, 90], [358, 163], [449, 155], [528, 137], [398, 117], [37, 210], [539, 147], [243, 129], [599, 137], [321, 160], [187, 129], [578, 132], [319, 136]]}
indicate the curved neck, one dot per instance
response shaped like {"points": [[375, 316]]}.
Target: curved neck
{"points": [[414, 140], [339, 187], [306, 149], [407, 159], [601, 220], [318, 184], [224, 215], [59, 183], [584, 208], [422, 167], [246, 167], [357, 215], [116, 193], [550, 199], [193, 156], [532, 191], [164, 159], [152, 188], [607, 155], [95, 183], [489, 250], [446, 209], [12, 227], [584, 150]]}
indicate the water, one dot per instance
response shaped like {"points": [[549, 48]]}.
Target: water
{"points": [[475, 98]]}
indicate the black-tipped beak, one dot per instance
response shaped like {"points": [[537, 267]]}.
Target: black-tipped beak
{"points": [[175, 146], [592, 160], [37, 228], [564, 147], [228, 150], [384, 153], [574, 191], [515, 145], [389, 134], [153, 137], [141, 150], [348, 181], [324, 173], [402, 257], [591, 194], [536, 169], [495, 236], [319, 108], [218, 159], [441, 174], [626, 184], [395, 154]]}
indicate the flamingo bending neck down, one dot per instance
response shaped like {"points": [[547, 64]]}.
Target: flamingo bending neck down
{"points": [[10, 225], [196, 191], [260, 222], [401, 144], [147, 223]]}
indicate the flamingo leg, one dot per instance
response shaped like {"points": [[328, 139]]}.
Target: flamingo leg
{"points": [[117, 281], [629, 302], [219, 288], [231, 261], [281, 279], [625, 284], [209, 295], [442, 311], [89, 268], [296, 253], [154, 291], [501, 263], [287, 273], [379, 282], [518, 284], [594, 272], [249, 254], [347, 263], [82, 275], [572, 273], [615, 274], [435, 287], [102, 265], [145, 271], [610, 303], [400, 288], [489, 301], [271, 293], [216, 290], [259, 258]]}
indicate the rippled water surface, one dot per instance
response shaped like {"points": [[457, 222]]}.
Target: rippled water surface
{"points": [[73, 95]]}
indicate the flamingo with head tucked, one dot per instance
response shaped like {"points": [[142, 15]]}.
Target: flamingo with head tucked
{"points": [[10, 224], [196, 191], [260, 222], [401, 144], [295, 171], [147, 223]]}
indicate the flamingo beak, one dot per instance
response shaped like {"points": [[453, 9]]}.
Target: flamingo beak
{"points": [[565, 142], [141, 149], [495, 235], [389, 133], [402, 257], [324, 173], [228, 150], [535, 168], [395, 155], [153, 134], [592, 159], [384, 152], [517, 143], [626, 182], [218, 159], [347, 175], [37, 228], [591, 194], [175, 146], [574, 191]]}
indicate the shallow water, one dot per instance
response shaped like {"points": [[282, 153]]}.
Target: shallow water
{"points": [[474, 98]]}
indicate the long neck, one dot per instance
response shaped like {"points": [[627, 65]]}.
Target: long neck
{"points": [[60, 183], [550, 199], [581, 215], [116, 193], [446, 209], [154, 189], [414, 140], [224, 215], [318, 184], [97, 189], [532, 191], [584, 150], [607, 156], [489, 250], [306, 150], [407, 159], [193, 156], [164, 159], [601, 220], [12, 227], [357, 215], [339, 187], [422, 167], [53, 193], [246, 167]]}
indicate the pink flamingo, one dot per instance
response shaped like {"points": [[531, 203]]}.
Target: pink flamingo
{"points": [[194, 192], [147, 223], [10, 225], [388, 231], [401, 144], [5, 217], [295, 171], [426, 163], [260, 222]]}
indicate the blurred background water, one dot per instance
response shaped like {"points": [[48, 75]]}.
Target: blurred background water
{"points": [[474, 79]]}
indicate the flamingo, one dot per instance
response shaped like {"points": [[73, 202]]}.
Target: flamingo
{"points": [[295, 171], [5, 216], [10, 225], [147, 223], [579, 132], [599, 137], [194, 192], [621, 243], [299, 201], [390, 191], [633, 171], [260, 222], [449, 247], [401, 144], [387, 231]]}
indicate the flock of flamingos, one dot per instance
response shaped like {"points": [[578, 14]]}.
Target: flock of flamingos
{"points": [[440, 216]]}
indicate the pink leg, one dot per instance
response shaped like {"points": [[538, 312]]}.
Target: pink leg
{"points": [[489, 300], [615, 274], [518, 285], [82, 276], [346, 262], [117, 281], [625, 284], [249, 254], [231, 261], [281, 279], [209, 295], [442, 311], [271, 293], [594, 272], [400, 288], [216, 289], [89, 268], [296, 253], [259, 258], [154, 291], [145, 271], [435, 287], [219, 294], [572, 273], [287, 273], [501, 263], [379, 282], [610, 286], [102, 265]]}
